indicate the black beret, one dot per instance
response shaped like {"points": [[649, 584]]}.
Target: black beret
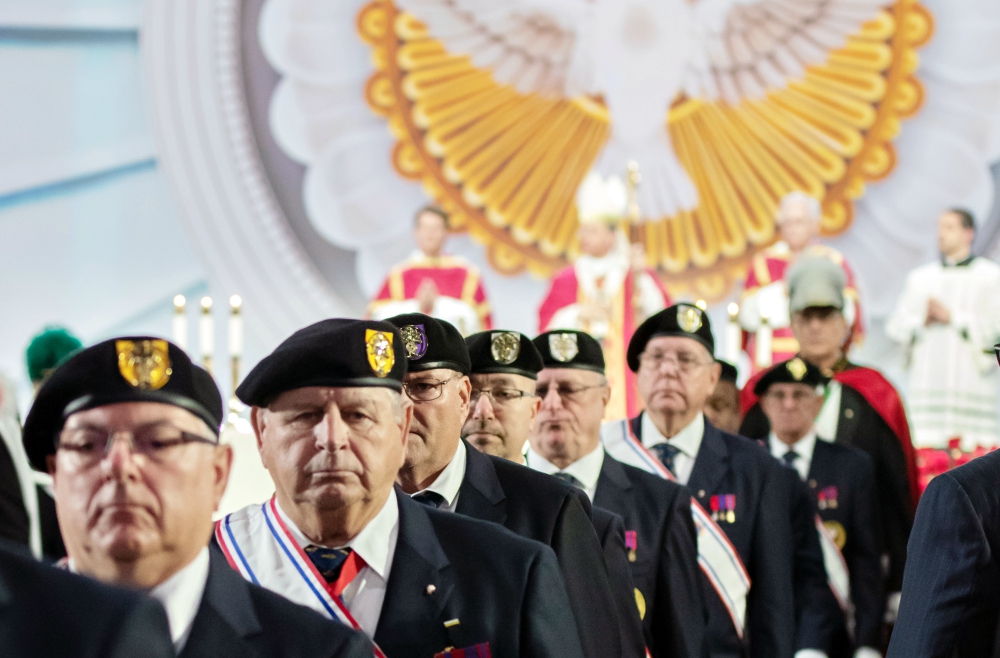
{"points": [[337, 353], [430, 343], [729, 372], [126, 369], [567, 348], [684, 320], [793, 371], [505, 352]]}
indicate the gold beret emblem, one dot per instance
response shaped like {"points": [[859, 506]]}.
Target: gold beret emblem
{"points": [[381, 358], [837, 533], [563, 347], [689, 319], [505, 347], [797, 368], [144, 364]]}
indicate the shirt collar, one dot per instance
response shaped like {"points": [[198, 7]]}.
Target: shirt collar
{"points": [[688, 440], [804, 447], [962, 263], [586, 469], [180, 595], [450, 480]]}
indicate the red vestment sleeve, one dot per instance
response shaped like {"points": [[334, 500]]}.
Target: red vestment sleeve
{"points": [[562, 293]]}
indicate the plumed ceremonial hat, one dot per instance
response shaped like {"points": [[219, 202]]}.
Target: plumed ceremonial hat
{"points": [[48, 349], [729, 372], [566, 348], [793, 371], [429, 343], [127, 369], [340, 353], [685, 320], [503, 352]]}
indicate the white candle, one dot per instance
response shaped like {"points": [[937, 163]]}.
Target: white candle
{"points": [[206, 332], [235, 326], [180, 329], [733, 335], [763, 355]]}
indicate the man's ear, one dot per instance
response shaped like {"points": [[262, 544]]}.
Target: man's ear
{"points": [[465, 392], [258, 422], [50, 465]]}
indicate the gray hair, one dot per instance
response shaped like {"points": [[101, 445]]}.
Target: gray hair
{"points": [[798, 197]]}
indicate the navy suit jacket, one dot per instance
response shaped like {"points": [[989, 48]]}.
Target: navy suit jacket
{"points": [[611, 532], [49, 613], [237, 619], [951, 589], [540, 507], [762, 535], [503, 589], [665, 569]]}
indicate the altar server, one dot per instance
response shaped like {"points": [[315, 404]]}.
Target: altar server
{"points": [[334, 431], [743, 516], [948, 319], [442, 470], [660, 533], [129, 430]]}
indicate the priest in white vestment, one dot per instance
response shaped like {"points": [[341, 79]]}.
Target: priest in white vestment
{"points": [[949, 320]]}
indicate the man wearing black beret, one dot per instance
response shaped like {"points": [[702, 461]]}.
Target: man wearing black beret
{"points": [[745, 535], [441, 470], [129, 430], [659, 533], [333, 431], [838, 480]]}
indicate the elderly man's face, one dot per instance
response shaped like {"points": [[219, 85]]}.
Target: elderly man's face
{"points": [[127, 506], [501, 414], [568, 425], [798, 228], [791, 409], [440, 407], [676, 375], [821, 332], [332, 448]]}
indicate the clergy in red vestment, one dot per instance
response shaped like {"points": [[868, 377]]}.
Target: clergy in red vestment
{"points": [[608, 291], [765, 293], [433, 283]]}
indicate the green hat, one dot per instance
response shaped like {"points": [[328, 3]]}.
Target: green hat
{"points": [[48, 349]]}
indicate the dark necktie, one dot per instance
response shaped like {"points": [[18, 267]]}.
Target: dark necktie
{"points": [[666, 453], [328, 561], [789, 459], [429, 498], [568, 479]]}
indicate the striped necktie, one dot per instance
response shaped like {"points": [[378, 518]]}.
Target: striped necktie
{"points": [[337, 566], [666, 454], [569, 479], [429, 498]]}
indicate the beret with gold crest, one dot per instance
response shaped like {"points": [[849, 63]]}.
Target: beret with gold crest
{"points": [[503, 352], [686, 320], [793, 371], [430, 343], [126, 369], [340, 353], [568, 348]]}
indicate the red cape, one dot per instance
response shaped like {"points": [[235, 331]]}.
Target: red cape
{"points": [[881, 395]]}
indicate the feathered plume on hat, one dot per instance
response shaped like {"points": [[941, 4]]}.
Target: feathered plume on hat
{"points": [[601, 201], [48, 349]]}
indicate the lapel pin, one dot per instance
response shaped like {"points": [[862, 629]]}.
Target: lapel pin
{"points": [[631, 543], [431, 589]]}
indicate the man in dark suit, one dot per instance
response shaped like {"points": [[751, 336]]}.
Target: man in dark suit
{"points": [[333, 431], [47, 613], [840, 480], [740, 486], [951, 590], [661, 538], [441, 470], [128, 428], [503, 406]]}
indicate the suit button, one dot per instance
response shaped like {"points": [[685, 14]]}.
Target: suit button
{"points": [[848, 413], [812, 484], [701, 493]]}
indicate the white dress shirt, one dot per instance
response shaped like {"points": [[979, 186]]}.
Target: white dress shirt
{"points": [[803, 448], [180, 595], [586, 469], [450, 480], [688, 441], [829, 416], [376, 545]]}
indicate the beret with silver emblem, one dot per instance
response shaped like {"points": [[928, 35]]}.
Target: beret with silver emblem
{"points": [[567, 348], [126, 369], [793, 371], [339, 353], [503, 352], [685, 320], [429, 343]]}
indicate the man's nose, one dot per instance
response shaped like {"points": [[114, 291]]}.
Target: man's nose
{"points": [[552, 399], [331, 432], [483, 408], [119, 462]]}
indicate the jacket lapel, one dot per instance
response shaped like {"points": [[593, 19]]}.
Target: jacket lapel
{"points": [[481, 496], [819, 467], [612, 483], [712, 462], [226, 616]]}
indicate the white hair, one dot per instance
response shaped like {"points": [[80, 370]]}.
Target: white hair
{"points": [[799, 198]]}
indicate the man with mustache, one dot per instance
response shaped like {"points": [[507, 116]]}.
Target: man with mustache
{"points": [[441, 471], [129, 430]]}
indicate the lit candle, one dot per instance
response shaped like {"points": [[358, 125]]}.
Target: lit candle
{"points": [[180, 332], [701, 304], [235, 336], [763, 356], [733, 335], [206, 333]]}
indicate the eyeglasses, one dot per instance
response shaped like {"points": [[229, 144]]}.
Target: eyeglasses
{"points": [[684, 361], [566, 392], [89, 445], [499, 396], [425, 390], [795, 396]]}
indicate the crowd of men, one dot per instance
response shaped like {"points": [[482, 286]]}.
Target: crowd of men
{"points": [[447, 496]]}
